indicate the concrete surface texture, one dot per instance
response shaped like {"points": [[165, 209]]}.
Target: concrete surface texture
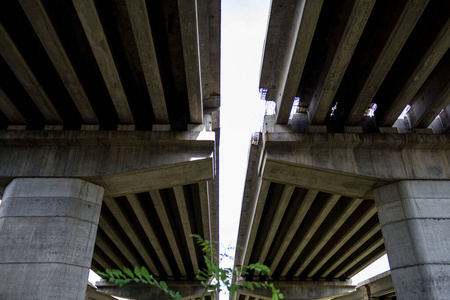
{"points": [[47, 228], [378, 287], [415, 221]]}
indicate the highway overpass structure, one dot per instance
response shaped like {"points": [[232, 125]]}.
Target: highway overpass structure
{"points": [[109, 134], [109, 118], [342, 171]]}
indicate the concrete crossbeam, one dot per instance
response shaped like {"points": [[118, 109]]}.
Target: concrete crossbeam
{"points": [[147, 292], [378, 287], [47, 228], [305, 290], [415, 218], [111, 159], [353, 164]]}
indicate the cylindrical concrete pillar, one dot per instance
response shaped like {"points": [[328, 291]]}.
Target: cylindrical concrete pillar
{"points": [[47, 235], [415, 221]]}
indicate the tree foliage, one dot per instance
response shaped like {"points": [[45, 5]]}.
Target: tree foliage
{"points": [[213, 278]]}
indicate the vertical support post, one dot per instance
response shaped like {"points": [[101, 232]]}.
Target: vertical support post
{"points": [[47, 232], [415, 221]]}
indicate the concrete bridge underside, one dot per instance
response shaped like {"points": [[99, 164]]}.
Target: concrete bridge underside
{"points": [[336, 179], [117, 97]]}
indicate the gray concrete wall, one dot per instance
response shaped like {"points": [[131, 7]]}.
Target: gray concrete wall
{"points": [[47, 233], [415, 220]]}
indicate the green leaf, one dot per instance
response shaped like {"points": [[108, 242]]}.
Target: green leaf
{"points": [[103, 274], [110, 273], [146, 274], [163, 285], [128, 272], [137, 271], [118, 274], [198, 277], [233, 288]]}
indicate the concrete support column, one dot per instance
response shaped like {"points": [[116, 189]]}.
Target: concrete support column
{"points": [[47, 235], [415, 220]]}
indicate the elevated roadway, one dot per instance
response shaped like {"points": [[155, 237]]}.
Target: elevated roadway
{"points": [[336, 76], [124, 95]]}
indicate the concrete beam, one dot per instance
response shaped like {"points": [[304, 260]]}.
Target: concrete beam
{"points": [[103, 245], [119, 241], [294, 29], [156, 178], [112, 159], [281, 209], [140, 24], [44, 29], [256, 218], [191, 53], [353, 164], [335, 70], [432, 97], [164, 218], [26, 77], [326, 237], [134, 237], [344, 238], [441, 123], [248, 203], [322, 214], [139, 211], [378, 287], [10, 110], [205, 209], [147, 292], [400, 33], [435, 52], [92, 26], [319, 179], [304, 290], [182, 208], [306, 204]]}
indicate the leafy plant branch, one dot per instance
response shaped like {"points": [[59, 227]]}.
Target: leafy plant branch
{"points": [[213, 278]]}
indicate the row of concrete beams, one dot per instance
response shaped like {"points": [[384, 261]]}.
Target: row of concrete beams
{"points": [[148, 227], [291, 51], [91, 23], [329, 263], [255, 195], [316, 162]]}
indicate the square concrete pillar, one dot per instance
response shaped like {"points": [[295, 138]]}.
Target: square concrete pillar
{"points": [[47, 235], [415, 221]]}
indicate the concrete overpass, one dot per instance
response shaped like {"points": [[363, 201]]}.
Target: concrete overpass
{"points": [[109, 134], [335, 180]]}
